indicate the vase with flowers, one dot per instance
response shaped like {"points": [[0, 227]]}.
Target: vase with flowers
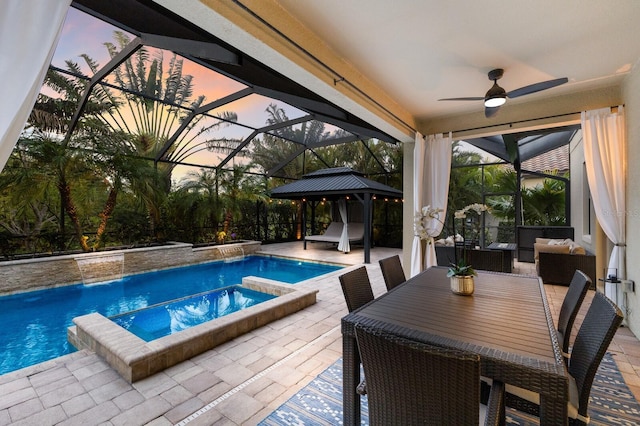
{"points": [[461, 277], [478, 209]]}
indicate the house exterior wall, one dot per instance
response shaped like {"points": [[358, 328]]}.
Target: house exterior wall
{"points": [[582, 222], [407, 211], [631, 93]]}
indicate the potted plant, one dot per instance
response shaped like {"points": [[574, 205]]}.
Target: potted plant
{"points": [[461, 277]]}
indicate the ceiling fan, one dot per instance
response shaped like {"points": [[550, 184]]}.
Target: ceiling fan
{"points": [[497, 96]]}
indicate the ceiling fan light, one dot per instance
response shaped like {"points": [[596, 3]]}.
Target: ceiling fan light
{"points": [[495, 101], [495, 97]]}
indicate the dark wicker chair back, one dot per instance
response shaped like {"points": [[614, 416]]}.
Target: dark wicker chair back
{"points": [[392, 271], [594, 336], [578, 287], [414, 383], [356, 288]]}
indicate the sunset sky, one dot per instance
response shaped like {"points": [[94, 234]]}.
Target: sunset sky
{"points": [[84, 34]]}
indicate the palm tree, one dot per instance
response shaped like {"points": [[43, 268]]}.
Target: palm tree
{"points": [[237, 188], [465, 184], [102, 154], [273, 148], [545, 204], [198, 200], [151, 107]]}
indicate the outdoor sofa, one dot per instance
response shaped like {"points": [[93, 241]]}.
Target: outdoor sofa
{"points": [[557, 261]]}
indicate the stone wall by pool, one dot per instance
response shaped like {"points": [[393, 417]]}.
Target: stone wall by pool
{"points": [[41, 273]]}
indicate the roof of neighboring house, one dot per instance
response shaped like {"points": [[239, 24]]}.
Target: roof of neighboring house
{"points": [[555, 160], [333, 183]]}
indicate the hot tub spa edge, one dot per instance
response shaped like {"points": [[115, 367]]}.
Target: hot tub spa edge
{"points": [[136, 359]]}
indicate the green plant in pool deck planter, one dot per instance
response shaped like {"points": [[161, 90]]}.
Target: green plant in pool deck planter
{"points": [[460, 269]]}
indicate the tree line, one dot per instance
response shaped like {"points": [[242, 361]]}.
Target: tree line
{"points": [[108, 179]]}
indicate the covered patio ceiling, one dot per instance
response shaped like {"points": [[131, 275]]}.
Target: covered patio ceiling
{"points": [[243, 105]]}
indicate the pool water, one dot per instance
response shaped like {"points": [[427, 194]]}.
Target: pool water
{"points": [[167, 318], [34, 324]]}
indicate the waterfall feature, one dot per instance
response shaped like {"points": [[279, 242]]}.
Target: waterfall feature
{"points": [[231, 253], [102, 268]]}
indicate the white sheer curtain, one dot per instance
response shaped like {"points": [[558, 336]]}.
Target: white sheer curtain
{"points": [[436, 186], [343, 244], [431, 171], [29, 32], [605, 152]]}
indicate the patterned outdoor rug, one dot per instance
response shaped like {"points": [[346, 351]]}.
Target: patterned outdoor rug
{"points": [[320, 402]]}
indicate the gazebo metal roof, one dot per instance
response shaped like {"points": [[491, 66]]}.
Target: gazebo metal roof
{"points": [[333, 183]]}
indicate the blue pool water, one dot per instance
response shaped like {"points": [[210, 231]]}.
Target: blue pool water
{"points": [[33, 325], [167, 318]]}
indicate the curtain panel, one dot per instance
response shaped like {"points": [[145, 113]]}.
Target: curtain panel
{"points": [[436, 187], [343, 244], [431, 171], [29, 32], [605, 152], [606, 163]]}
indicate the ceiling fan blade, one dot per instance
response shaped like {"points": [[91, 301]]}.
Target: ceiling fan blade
{"points": [[490, 112], [537, 87], [476, 98]]}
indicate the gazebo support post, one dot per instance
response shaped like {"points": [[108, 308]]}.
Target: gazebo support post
{"points": [[304, 218], [367, 228]]}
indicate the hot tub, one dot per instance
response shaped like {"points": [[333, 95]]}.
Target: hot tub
{"points": [[135, 359]]}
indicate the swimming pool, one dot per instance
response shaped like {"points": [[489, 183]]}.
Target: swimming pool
{"points": [[34, 324]]}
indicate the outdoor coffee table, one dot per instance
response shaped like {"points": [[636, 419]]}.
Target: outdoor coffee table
{"points": [[506, 321], [508, 254]]}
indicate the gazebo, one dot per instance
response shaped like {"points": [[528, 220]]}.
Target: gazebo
{"points": [[334, 184]]}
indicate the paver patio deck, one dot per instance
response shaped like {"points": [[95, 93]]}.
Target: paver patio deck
{"points": [[239, 382]]}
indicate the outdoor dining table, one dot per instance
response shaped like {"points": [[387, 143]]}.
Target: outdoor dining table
{"points": [[506, 321]]}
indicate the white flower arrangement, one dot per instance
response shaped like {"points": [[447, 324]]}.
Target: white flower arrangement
{"points": [[422, 222], [476, 207]]}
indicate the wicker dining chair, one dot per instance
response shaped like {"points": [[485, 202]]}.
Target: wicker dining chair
{"points": [[356, 288], [357, 291], [571, 304], [410, 382], [392, 271], [594, 336]]}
